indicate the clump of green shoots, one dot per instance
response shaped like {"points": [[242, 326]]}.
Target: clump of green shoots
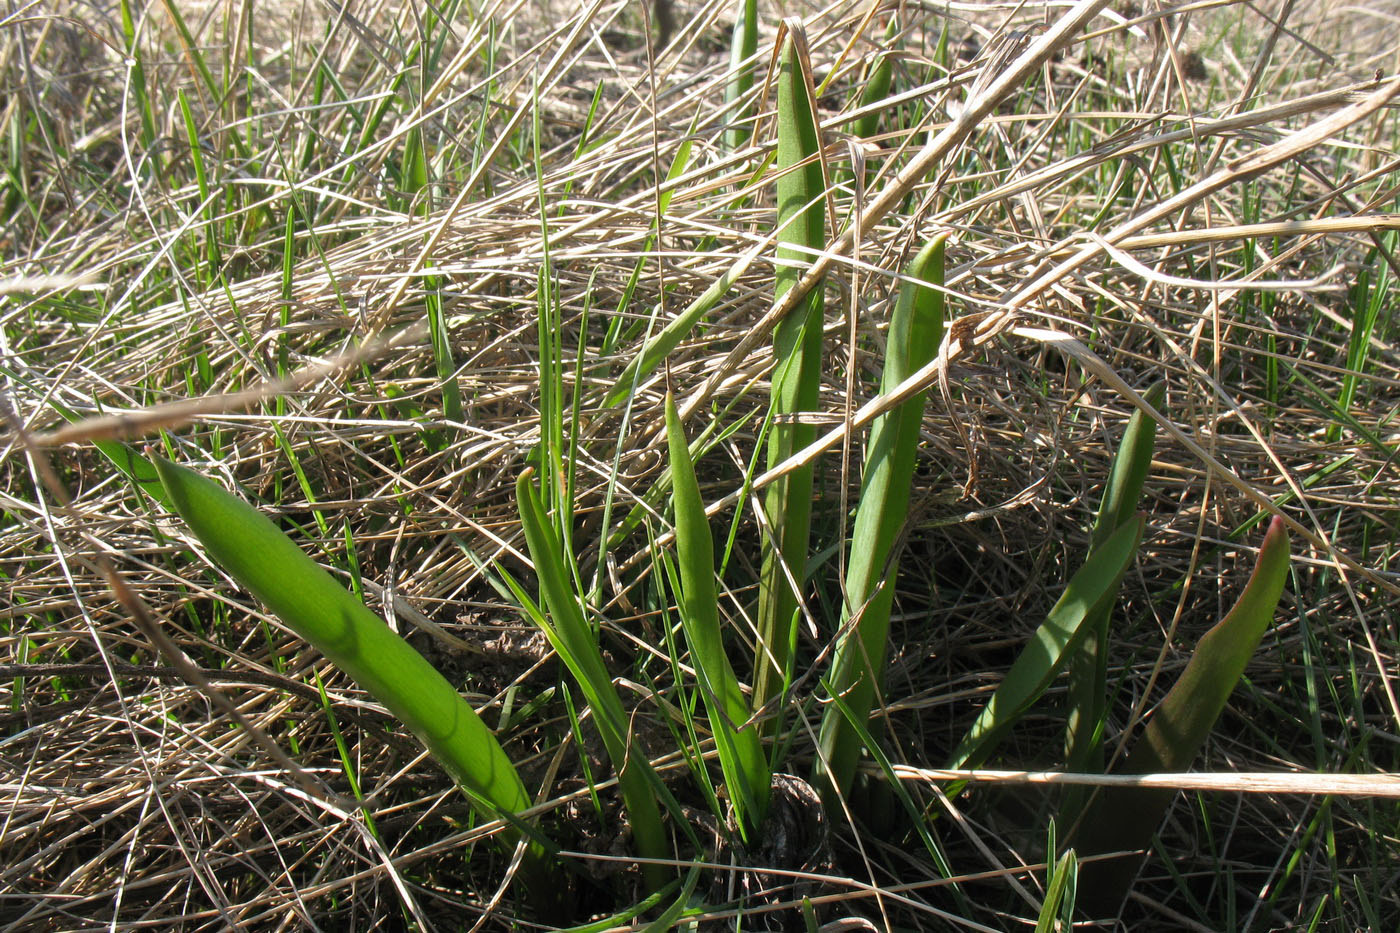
{"points": [[1075, 633]]}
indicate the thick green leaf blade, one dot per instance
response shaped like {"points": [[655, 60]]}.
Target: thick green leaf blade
{"points": [[1130, 467], [916, 329], [797, 347], [1088, 673], [740, 750], [1051, 646], [1124, 819], [310, 602]]}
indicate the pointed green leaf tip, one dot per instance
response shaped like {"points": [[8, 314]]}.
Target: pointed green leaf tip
{"points": [[1181, 724], [1052, 645], [1123, 818], [740, 751], [311, 603]]}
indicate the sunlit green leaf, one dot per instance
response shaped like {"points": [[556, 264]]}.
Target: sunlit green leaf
{"points": [[311, 603], [740, 751], [916, 328]]}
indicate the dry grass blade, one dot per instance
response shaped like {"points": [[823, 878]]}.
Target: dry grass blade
{"points": [[129, 425], [1238, 170], [1236, 782]]}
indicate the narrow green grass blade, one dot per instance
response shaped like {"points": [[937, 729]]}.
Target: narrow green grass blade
{"points": [[137, 470], [192, 50], [917, 817], [916, 329], [1051, 647], [309, 601], [1088, 672], [1122, 818], [679, 164], [577, 645], [1368, 301], [660, 346], [417, 184], [347, 764], [667, 921], [740, 750], [1059, 894], [303, 481], [743, 46], [201, 175], [797, 345]]}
